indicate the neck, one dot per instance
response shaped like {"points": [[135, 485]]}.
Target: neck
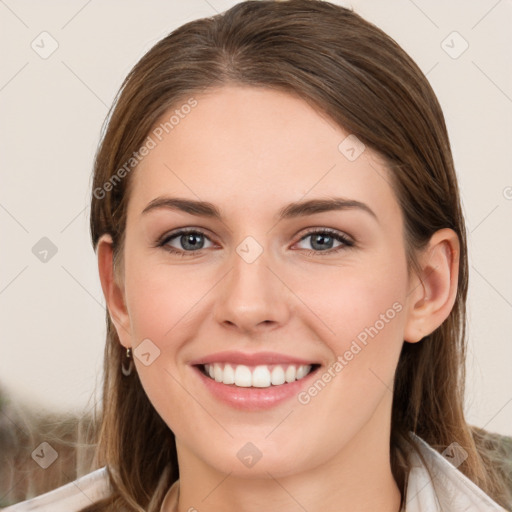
{"points": [[358, 477]]}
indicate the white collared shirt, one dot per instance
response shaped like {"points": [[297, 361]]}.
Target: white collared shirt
{"points": [[448, 490]]}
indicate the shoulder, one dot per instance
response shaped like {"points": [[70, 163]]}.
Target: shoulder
{"points": [[437, 484], [70, 497], [499, 448]]}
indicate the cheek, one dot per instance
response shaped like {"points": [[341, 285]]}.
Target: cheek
{"points": [[368, 324], [160, 299], [360, 302], [372, 330], [364, 309], [370, 316], [161, 310]]}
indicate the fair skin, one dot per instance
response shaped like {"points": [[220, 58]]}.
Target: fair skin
{"points": [[250, 152]]}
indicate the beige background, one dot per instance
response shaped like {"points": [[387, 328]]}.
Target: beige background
{"points": [[52, 314]]}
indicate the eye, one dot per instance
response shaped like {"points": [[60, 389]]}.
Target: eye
{"points": [[322, 240], [190, 240]]}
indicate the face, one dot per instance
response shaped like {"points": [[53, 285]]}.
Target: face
{"points": [[265, 292]]}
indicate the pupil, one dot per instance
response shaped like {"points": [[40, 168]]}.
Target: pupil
{"points": [[322, 239], [189, 239]]}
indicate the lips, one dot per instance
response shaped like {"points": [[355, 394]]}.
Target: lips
{"points": [[255, 359], [254, 381]]}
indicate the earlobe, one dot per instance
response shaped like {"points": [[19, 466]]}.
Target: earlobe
{"points": [[112, 291], [432, 295]]}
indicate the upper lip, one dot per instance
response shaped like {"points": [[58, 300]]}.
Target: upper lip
{"points": [[254, 359]]}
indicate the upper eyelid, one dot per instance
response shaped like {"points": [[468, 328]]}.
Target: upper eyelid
{"points": [[179, 232]]}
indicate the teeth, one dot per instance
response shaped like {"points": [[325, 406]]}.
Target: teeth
{"points": [[301, 372], [290, 374], [218, 373], [261, 376], [243, 377], [229, 375], [277, 376]]}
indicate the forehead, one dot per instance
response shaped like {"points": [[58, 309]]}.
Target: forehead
{"points": [[248, 149]]}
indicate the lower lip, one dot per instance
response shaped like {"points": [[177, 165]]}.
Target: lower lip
{"points": [[254, 399]]}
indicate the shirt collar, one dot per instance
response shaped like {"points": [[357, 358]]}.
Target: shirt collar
{"points": [[440, 486]]}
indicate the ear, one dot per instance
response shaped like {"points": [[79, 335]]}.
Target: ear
{"points": [[113, 291], [432, 294]]}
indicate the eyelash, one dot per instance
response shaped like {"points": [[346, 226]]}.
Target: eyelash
{"points": [[347, 243]]}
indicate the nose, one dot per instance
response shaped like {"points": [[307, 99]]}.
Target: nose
{"points": [[252, 296]]}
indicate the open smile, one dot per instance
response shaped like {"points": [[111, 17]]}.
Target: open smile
{"points": [[254, 381]]}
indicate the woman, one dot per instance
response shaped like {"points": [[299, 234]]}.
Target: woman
{"points": [[310, 354]]}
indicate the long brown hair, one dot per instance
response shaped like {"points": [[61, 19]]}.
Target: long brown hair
{"points": [[358, 76]]}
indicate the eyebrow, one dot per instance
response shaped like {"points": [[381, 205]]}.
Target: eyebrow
{"points": [[290, 211]]}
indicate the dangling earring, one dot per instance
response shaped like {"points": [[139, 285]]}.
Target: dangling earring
{"points": [[127, 371]]}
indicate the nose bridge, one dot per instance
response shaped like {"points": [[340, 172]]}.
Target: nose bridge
{"points": [[252, 295]]}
